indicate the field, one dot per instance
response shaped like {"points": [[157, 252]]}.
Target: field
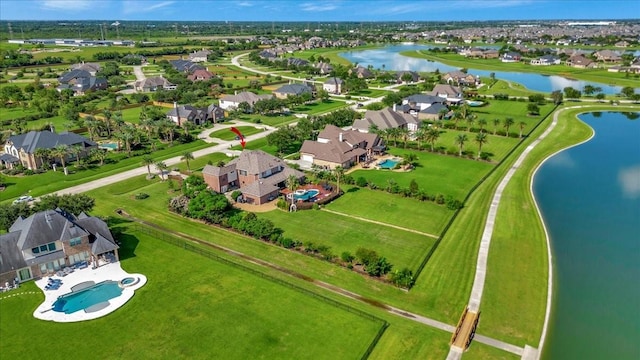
{"points": [[15, 112], [227, 134], [240, 314], [401, 248]]}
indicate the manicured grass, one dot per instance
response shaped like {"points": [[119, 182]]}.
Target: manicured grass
{"points": [[227, 134], [15, 112], [504, 87], [51, 181], [401, 248], [258, 144], [479, 351], [198, 164], [496, 145], [271, 120], [242, 315], [434, 173], [320, 107], [393, 209]]}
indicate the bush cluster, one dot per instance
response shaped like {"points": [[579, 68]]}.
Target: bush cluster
{"points": [[413, 191]]}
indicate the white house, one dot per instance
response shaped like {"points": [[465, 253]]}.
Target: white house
{"points": [[333, 85]]}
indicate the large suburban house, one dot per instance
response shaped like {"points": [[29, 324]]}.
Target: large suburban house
{"points": [[153, 84], [423, 106], [581, 62], [50, 240], [460, 78], [337, 147], [81, 82], [200, 75], [323, 68], [333, 85], [23, 148], [91, 68], [232, 101], [199, 56], [385, 119], [607, 56], [451, 93], [285, 91], [411, 75], [185, 66], [545, 60], [510, 57], [258, 175], [187, 113], [361, 72]]}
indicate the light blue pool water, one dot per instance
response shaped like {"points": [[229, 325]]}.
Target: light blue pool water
{"points": [[310, 194], [112, 146], [388, 164], [83, 299], [474, 103]]}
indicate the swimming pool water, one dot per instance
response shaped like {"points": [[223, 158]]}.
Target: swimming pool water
{"points": [[83, 299], [310, 194], [388, 164]]}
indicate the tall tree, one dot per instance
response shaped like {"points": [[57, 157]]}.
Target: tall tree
{"points": [[99, 154], [292, 185], [507, 124], [339, 172], [432, 136], [460, 140], [522, 125], [148, 161], [162, 167], [481, 139], [61, 152], [186, 157], [496, 122], [482, 123]]}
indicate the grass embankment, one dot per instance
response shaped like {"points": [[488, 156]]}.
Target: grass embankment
{"points": [[188, 299], [596, 75], [515, 293]]}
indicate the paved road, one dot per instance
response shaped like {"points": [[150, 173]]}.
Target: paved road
{"points": [[223, 146], [137, 70]]}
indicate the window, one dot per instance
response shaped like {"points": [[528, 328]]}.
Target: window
{"points": [[75, 241], [242, 172], [52, 247], [43, 248], [35, 250]]}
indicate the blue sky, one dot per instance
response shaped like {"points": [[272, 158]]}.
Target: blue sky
{"points": [[315, 10]]}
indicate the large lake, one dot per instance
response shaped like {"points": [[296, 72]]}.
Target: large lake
{"points": [[389, 58], [590, 199]]}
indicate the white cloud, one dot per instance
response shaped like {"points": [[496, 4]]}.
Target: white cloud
{"points": [[392, 8], [317, 7], [68, 5], [134, 7], [629, 179], [244, 3]]}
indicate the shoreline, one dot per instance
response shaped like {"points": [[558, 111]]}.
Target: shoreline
{"points": [[550, 268]]}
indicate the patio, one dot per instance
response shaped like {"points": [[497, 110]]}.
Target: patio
{"points": [[111, 271]]}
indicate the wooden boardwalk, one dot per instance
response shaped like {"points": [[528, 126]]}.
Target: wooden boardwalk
{"points": [[465, 330]]}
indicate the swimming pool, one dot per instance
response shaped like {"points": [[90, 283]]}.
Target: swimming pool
{"points": [[388, 164], [109, 146], [474, 103], [307, 195], [89, 297]]}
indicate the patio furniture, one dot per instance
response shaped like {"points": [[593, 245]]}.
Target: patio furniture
{"points": [[61, 273]]}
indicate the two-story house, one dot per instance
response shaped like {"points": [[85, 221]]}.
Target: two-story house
{"points": [[23, 148], [50, 240], [385, 119], [258, 175], [333, 85], [230, 102]]}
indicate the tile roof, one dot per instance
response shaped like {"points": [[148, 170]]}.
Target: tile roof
{"points": [[33, 140]]}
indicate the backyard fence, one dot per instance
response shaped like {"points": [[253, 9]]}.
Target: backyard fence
{"points": [[174, 239]]}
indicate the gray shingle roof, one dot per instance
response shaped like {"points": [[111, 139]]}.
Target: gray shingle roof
{"points": [[244, 96], [424, 99], [257, 161], [33, 140], [295, 89], [383, 119]]}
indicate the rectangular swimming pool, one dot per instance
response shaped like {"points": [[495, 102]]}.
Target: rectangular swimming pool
{"points": [[388, 164]]}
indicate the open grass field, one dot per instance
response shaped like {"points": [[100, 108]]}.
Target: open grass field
{"points": [[58, 122], [597, 75], [320, 107], [51, 181], [227, 134], [434, 173], [258, 144], [401, 248], [496, 145], [223, 312], [504, 87], [15, 112], [271, 120], [198, 164], [393, 209]]}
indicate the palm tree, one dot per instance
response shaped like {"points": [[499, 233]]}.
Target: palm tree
{"points": [[460, 140], [76, 150], [292, 185], [496, 122], [522, 125], [404, 133], [507, 124], [482, 123], [442, 113], [421, 134], [91, 125], [43, 154], [186, 157], [470, 119], [161, 166], [61, 152], [339, 171], [432, 137], [99, 154], [107, 121], [481, 139], [148, 161]]}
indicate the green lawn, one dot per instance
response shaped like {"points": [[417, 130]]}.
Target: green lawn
{"points": [[504, 87], [401, 248], [320, 107], [496, 145], [227, 134], [393, 209], [198, 164], [434, 173], [190, 298], [258, 144], [51, 181], [15, 112]]}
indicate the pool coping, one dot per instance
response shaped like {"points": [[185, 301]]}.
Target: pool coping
{"points": [[111, 271]]}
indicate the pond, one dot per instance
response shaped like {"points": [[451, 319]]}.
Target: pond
{"points": [[389, 58], [589, 196]]}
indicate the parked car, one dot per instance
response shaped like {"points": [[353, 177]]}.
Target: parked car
{"points": [[23, 199]]}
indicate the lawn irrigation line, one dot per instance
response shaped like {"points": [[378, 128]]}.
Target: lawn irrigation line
{"points": [[381, 223]]}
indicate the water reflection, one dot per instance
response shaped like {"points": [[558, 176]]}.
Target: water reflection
{"points": [[388, 58], [629, 179]]}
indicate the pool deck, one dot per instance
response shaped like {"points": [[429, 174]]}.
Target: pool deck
{"points": [[111, 271]]}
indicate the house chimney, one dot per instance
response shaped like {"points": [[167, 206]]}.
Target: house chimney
{"points": [[340, 137], [175, 105], [235, 92], [394, 107]]}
